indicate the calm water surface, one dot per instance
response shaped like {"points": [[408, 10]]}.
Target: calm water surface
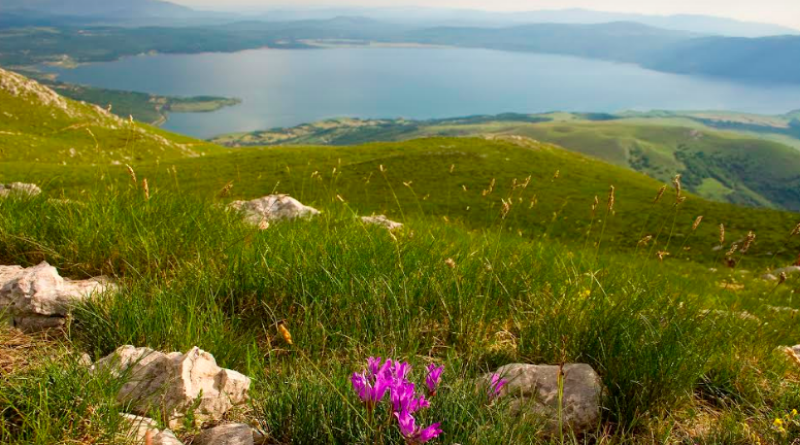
{"points": [[289, 87]]}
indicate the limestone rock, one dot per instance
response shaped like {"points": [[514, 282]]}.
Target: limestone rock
{"points": [[176, 382], [39, 298], [230, 434], [137, 427], [533, 389], [273, 208], [19, 188], [381, 220], [166, 437]]}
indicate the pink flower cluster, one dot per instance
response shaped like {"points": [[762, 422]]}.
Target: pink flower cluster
{"points": [[391, 377]]}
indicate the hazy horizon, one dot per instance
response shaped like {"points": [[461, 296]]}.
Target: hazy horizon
{"points": [[778, 12]]}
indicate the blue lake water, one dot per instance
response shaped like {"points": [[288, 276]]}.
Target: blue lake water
{"points": [[289, 87]]}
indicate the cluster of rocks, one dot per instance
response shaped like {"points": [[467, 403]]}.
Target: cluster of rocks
{"points": [[178, 386], [38, 298], [19, 189], [271, 208], [532, 392]]}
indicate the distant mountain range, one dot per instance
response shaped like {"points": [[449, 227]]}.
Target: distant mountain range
{"points": [[138, 12], [432, 17]]}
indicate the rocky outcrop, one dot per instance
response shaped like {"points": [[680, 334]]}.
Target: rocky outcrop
{"points": [[260, 212], [19, 189], [175, 382], [230, 434], [381, 220], [533, 391], [38, 298]]}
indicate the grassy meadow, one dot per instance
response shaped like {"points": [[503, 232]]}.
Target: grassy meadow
{"points": [[678, 362], [512, 251]]}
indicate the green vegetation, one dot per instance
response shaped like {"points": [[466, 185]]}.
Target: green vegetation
{"points": [[144, 107], [501, 260], [745, 161]]}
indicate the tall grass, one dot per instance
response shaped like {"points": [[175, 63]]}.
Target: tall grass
{"points": [[193, 274]]}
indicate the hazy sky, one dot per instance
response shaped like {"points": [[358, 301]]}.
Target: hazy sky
{"points": [[785, 12]]}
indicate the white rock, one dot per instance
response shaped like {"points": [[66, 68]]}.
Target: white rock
{"points": [[230, 434], [791, 270], [175, 382], [769, 277], [19, 188], [166, 437], [273, 208], [534, 390], [39, 298], [137, 427], [381, 220]]}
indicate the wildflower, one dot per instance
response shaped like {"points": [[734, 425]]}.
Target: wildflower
{"points": [[433, 378], [496, 386], [415, 435], [777, 422], [372, 385], [794, 413], [405, 399], [586, 293]]}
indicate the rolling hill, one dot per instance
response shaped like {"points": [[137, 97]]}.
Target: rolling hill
{"points": [[462, 179], [717, 160]]}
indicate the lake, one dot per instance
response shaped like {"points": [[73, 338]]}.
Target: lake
{"points": [[289, 87]]}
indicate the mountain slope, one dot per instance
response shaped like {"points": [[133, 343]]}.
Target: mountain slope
{"points": [[37, 124], [721, 165]]}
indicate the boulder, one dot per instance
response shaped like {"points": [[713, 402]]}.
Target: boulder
{"points": [[175, 382], [273, 208], [381, 220], [533, 390], [230, 434], [38, 298], [20, 189]]}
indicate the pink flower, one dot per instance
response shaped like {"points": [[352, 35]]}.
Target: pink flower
{"points": [[413, 434], [496, 386], [433, 378], [405, 399]]}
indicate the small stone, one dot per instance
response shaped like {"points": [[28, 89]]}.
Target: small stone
{"points": [[166, 437], [19, 189], [534, 390], [229, 434], [273, 208], [381, 220]]}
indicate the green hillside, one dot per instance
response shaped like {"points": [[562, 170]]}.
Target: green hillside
{"points": [[513, 251], [41, 126], [717, 159]]}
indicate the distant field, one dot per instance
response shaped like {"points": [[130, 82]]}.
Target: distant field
{"points": [[742, 155]]}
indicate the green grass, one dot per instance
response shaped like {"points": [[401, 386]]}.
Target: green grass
{"points": [[193, 274], [753, 157], [535, 277]]}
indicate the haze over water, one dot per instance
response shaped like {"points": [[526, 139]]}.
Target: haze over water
{"points": [[289, 87]]}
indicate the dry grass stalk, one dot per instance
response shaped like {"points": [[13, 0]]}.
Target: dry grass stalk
{"points": [[132, 174], [748, 241], [146, 189], [226, 190], [645, 241], [697, 223], [594, 205], [791, 354], [660, 193], [676, 182], [611, 199], [661, 254], [489, 190]]}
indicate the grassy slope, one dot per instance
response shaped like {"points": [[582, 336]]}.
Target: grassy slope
{"points": [[193, 274], [746, 169], [39, 126]]}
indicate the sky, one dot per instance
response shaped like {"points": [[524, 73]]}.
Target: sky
{"points": [[782, 12]]}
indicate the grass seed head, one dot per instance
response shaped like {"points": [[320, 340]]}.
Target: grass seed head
{"points": [[722, 234], [611, 199], [697, 223], [132, 174], [660, 193], [285, 334], [146, 189], [796, 230]]}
